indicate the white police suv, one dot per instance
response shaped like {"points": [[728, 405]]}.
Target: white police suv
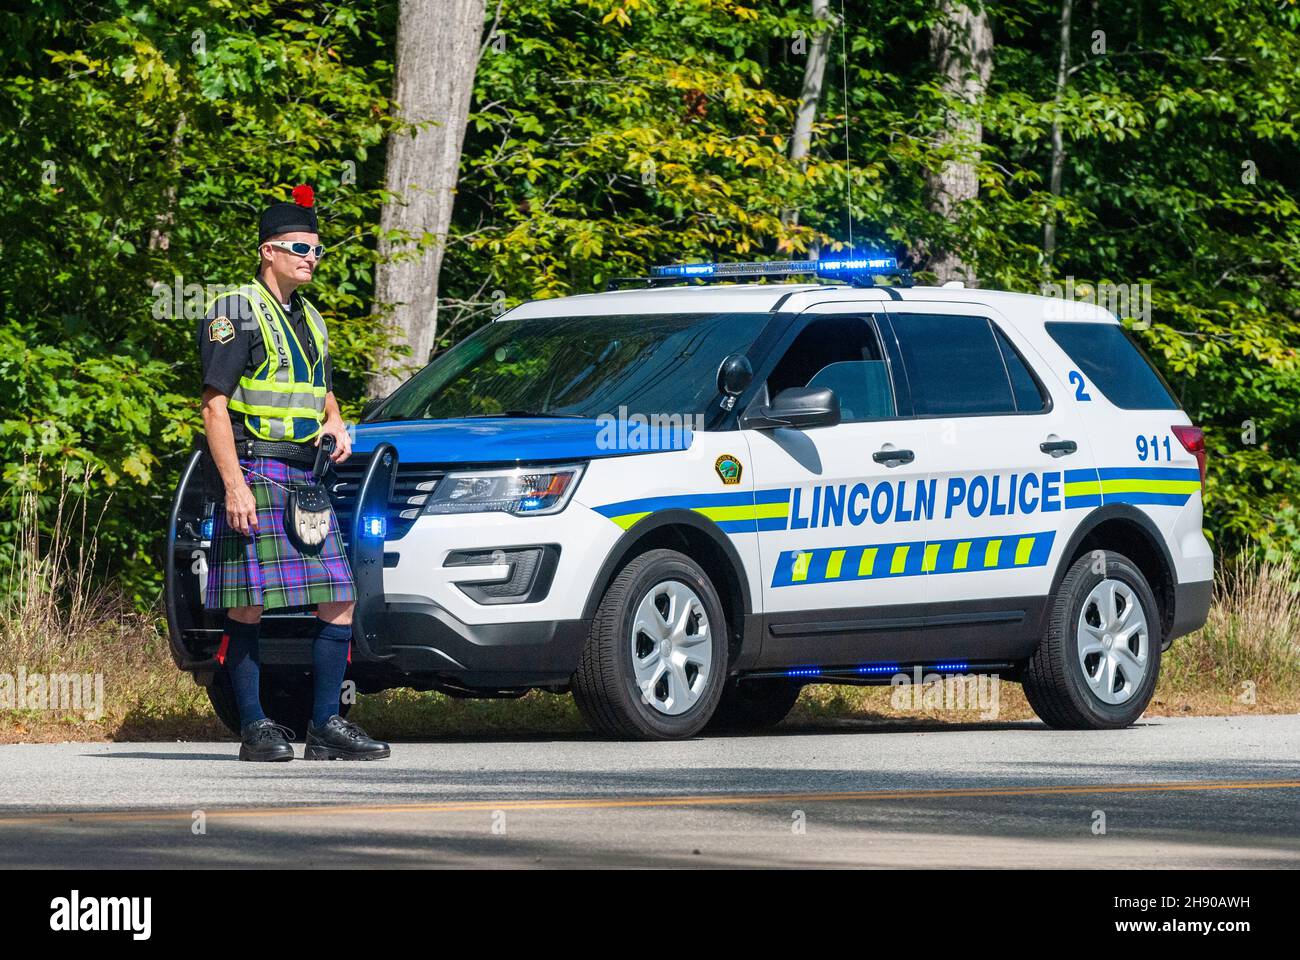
{"points": [[685, 500]]}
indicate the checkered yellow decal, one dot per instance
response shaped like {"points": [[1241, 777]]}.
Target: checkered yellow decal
{"points": [[875, 561]]}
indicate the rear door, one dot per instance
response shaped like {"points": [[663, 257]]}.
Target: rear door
{"points": [[1006, 445], [843, 541]]}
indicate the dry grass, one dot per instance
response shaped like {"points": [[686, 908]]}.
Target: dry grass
{"points": [[55, 617]]}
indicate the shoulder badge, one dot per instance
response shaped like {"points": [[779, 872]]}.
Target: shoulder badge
{"points": [[221, 330], [728, 468]]}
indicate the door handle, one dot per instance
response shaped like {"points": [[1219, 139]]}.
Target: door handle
{"points": [[893, 456], [1058, 446]]}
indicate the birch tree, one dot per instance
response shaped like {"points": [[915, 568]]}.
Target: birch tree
{"points": [[809, 96], [961, 48], [1058, 139], [437, 54]]}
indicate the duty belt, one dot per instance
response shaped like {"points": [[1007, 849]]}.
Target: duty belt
{"points": [[287, 450]]}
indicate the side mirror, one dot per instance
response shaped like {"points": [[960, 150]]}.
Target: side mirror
{"points": [[735, 375], [800, 407]]}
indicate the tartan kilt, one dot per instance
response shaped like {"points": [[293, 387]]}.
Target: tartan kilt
{"points": [[266, 569]]}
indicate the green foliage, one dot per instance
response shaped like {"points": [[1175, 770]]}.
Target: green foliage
{"points": [[138, 143], [140, 138], [1160, 117]]}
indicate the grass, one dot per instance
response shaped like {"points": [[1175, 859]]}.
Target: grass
{"points": [[54, 617]]}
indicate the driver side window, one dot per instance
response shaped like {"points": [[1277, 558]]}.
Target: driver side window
{"points": [[840, 352]]}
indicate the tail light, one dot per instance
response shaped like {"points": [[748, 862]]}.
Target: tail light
{"points": [[1193, 441]]}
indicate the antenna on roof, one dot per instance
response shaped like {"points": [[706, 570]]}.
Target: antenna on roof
{"points": [[844, 78]]}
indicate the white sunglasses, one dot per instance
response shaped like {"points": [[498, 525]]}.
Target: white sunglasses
{"points": [[299, 247]]}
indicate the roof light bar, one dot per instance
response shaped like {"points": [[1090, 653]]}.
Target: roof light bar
{"points": [[858, 270]]}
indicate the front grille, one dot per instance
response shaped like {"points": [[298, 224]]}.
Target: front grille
{"points": [[411, 488]]}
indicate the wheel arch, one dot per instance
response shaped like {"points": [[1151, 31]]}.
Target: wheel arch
{"points": [[704, 542], [1125, 529]]}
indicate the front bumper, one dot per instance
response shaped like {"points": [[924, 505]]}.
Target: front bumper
{"points": [[425, 639], [413, 620]]}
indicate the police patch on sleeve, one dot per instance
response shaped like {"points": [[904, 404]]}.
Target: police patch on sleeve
{"points": [[221, 330]]}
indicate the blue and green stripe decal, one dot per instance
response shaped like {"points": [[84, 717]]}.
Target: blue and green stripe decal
{"points": [[748, 511], [911, 558], [755, 511], [1163, 486]]}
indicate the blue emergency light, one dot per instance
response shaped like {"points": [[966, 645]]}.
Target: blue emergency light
{"points": [[858, 270], [374, 526]]}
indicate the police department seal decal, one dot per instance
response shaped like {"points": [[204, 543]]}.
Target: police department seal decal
{"points": [[728, 468], [221, 330]]}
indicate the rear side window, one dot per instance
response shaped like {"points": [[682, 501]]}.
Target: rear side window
{"points": [[955, 366], [1109, 358]]}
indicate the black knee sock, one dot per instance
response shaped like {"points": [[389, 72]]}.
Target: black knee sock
{"points": [[244, 665], [329, 661]]}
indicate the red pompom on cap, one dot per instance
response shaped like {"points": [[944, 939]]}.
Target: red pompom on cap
{"points": [[303, 195]]}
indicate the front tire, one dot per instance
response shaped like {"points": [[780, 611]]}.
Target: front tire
{"points": [[655, 660], [1097, 667]]}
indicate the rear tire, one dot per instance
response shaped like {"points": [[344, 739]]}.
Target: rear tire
{"points": [[754, 704], [222, 697], [1097, 667], [655, 660], [286, 699]]}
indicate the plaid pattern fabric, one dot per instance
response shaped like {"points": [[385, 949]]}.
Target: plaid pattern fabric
{"points": [[266, 569]]}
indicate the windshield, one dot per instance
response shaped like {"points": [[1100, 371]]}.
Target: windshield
{"points": [[578, 367]]}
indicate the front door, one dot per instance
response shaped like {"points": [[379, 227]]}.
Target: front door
{"points": [[843, 567]]}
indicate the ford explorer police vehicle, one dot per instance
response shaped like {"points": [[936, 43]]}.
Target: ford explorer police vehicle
{"points": [[684, 500]]}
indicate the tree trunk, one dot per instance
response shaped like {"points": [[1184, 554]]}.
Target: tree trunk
{"points": [[961, 46], [437, 53], [813, 73], [1058, 142], [160, 233]]}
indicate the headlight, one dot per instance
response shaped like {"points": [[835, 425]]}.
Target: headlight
{"points": [[525, 492]]}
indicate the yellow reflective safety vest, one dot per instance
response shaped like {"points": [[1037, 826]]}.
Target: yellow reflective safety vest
{"points": [[284, 398]]}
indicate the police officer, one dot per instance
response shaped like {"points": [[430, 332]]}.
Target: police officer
{"points": [[267, 403]]}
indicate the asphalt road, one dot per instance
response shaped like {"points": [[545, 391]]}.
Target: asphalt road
{"points": [[1204, 792]]}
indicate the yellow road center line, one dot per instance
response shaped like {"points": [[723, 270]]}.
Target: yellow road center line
{"points": [[716, 800]]}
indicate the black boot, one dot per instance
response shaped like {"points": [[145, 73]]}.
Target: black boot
{"points": [[340, 740], [265, 740]]}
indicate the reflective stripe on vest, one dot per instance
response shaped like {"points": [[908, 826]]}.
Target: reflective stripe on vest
{"points": [[287, 388]]}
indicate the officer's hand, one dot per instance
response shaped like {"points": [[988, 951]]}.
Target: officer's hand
{"points": [[241, 509], [337, 429]]}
